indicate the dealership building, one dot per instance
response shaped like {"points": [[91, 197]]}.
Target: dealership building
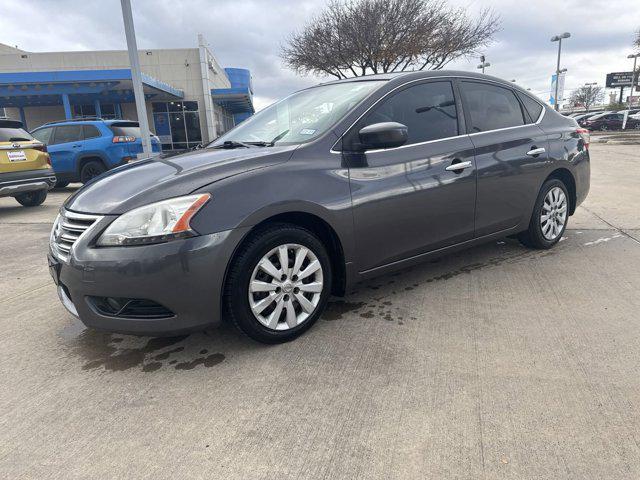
{"points": [[190, 98]]}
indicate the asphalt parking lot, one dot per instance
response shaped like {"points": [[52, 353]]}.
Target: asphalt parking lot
{"points": [[497, 362]]}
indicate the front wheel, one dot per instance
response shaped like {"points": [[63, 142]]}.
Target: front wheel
{"points": [[278, 284], [32, 199], [550, 215]]}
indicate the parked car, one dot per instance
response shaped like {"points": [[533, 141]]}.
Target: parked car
{"points": [[633, 111], [82, 149], [588, 116], [610, 121], [25, 166], [330, 186]]}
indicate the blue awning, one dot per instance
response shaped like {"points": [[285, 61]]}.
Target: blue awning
{"points": [[239, 98], [235, 100], [23, 89]]}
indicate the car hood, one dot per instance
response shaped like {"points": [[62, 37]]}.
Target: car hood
{"points": [[148, 181]]}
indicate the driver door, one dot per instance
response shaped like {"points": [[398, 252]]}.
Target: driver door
{"points": [[410, 200]]}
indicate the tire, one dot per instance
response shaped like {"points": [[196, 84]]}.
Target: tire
{"points": [[274, 323], [544, 234], [91, 170], [61, 184], [32, 199]]}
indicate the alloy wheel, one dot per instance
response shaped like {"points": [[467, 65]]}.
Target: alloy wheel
{"points": [[554, 213], [285, 286]]}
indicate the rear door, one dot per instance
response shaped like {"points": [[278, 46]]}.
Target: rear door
{"points": [[510, 149], [66, 145], [407, 200]]}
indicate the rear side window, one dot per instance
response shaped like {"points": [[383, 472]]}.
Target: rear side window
{"points": [[126, 129], [90, 131], [428, 110], [67, 133], [13, 132], [43, 135], [533, 108], [491, 107]]}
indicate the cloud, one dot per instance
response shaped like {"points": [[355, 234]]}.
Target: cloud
{"points": [[249, 33]]}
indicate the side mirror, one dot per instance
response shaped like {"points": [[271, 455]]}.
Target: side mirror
{"points": [[383, 135]]}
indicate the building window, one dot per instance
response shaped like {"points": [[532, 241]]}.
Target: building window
{"points": [[107, 110], [177, 124]]}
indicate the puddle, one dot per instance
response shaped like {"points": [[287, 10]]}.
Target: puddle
{"points": [[117, 353]]}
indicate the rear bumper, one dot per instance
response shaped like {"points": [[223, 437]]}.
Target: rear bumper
{"points": [[582, 176], [15, 183]]}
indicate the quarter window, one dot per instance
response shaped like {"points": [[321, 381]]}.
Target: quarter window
{"points": [[533, 108], [90, 131], [428, 110], [491, 107]]}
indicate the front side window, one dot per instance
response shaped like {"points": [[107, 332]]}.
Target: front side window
{"points": [[67, 133], [428, 110], [491, 107], [303, 116], [43, 135]]}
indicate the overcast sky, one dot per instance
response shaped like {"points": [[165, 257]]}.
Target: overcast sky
{"points": [[248, 33]]}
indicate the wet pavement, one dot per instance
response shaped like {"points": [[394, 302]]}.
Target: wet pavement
{"points": [[495, 362]]}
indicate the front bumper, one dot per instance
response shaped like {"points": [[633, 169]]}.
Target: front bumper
{"points": [[15, 183], [184, 276]]}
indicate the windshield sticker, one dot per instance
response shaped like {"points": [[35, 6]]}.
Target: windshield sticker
{"points": [[307, 131]]}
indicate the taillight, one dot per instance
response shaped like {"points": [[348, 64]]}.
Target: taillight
{"points": [[42, 147], [585, 136], [49, 160], [123, 139]]}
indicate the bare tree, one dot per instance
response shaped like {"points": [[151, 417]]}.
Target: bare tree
{"points": [[587, 95], [356, 37], [636, 42]]}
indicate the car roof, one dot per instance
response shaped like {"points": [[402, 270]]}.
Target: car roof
{"points": [[83, 121], [400, 77], [9, 123]]}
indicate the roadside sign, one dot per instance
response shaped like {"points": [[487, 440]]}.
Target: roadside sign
{"points": [[552, 100], [620, 79]]}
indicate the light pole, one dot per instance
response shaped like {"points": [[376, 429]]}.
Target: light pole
{"points": [[136, 76], [558, 38], [633, 76], [483, 64]]}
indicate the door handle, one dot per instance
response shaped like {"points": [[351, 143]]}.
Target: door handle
{"points": [[535, 151], [458, 167], [77, 146]]}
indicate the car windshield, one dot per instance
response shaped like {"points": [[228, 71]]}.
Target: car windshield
{"points": [[301, 117]]}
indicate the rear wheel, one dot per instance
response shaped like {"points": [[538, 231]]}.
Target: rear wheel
{"points": [[278, 284], [61, 184], [550, 215], [32, 199], [91, 170]]}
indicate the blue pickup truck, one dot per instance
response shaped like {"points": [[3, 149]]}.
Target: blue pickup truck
{"points": [[82, 149]]}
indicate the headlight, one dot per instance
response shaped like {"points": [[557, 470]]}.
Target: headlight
{"points": [[155, 223]]}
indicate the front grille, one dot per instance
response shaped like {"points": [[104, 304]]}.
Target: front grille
{"points": [[67, 229]]}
